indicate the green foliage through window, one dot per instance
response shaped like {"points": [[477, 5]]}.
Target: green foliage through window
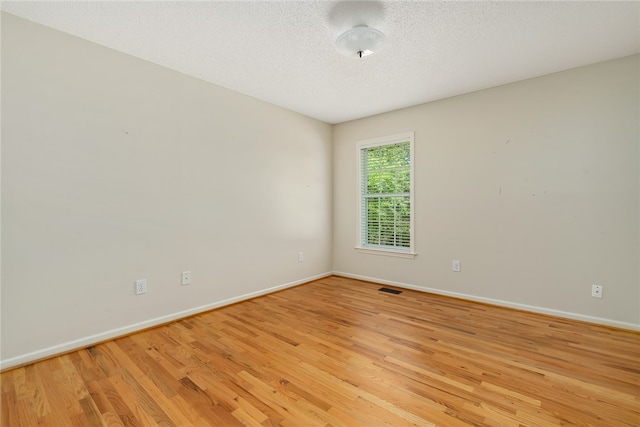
{"points": [[386, 200]]}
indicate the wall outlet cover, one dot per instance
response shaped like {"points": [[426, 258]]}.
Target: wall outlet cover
{"points": [[141, 286], [186, 278], [596, 291]]}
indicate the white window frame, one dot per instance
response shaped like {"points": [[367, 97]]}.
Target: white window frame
{"points": [[383, 250]]}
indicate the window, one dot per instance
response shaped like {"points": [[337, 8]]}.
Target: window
{"points": [[386, 195]]}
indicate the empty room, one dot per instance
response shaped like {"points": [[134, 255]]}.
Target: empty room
{"points": [[320, 213]]}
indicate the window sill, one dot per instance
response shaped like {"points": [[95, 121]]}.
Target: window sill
{"points": [[385, 252]]}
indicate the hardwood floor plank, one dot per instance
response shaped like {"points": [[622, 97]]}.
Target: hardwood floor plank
{"points": [[8, 401], [144, 365], [245, 419], [337, 352], [108, 401], [296, 412], [204, 404], [251, 411], [50, 405], [24, 412], [243, 389], [134, 414], [90, 413], [141, 381], [24, 386]]}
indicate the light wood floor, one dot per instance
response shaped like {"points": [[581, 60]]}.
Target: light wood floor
{"points": [[337, 352]]}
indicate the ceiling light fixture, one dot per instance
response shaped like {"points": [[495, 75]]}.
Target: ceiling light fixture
{"points": [[360, 41]]}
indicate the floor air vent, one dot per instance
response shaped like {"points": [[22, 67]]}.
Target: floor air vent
{"points": [[390, 291]]}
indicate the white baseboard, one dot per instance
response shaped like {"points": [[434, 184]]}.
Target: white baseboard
{"points": [[129, 329], [518, 306]]}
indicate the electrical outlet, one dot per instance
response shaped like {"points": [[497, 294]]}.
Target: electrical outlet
{"points": [[141, 286], [455, 265], [596, 291], [186, 278], [300, 256]]}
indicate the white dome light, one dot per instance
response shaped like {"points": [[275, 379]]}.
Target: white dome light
{"points": [[360, 41]]}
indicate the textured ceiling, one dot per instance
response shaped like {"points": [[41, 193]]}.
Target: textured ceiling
{"points": [[284, 53]]}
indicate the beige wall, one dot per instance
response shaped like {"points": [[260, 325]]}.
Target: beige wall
{"points": [[115, 169], [534, 186]]}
